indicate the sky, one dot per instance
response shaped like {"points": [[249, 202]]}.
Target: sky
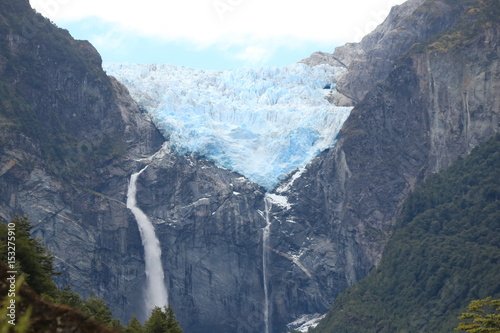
{"points": [[215, 34]]}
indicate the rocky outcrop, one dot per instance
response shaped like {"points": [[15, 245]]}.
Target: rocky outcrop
{"points": [[371, 60], [329, 222], [319, 58]]}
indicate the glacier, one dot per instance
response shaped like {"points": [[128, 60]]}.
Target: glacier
{"points": [[262, 123]]}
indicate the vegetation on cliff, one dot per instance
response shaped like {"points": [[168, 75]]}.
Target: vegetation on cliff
{"points": [[58, 309], [475, 17], [443, 254], [31, 257], [483, 316], [47, 81]]}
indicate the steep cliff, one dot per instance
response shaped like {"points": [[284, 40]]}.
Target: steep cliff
{"points": [[371, 60], [71, 137], [208, 221], [439, 101], [443, 254], [68, 136]]}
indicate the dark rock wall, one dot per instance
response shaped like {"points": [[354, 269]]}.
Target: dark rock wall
{"points": [[432, 109], [68, 138], [210, 230]]}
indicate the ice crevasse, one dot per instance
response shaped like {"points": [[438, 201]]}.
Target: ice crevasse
{"points": [[262, 123]]}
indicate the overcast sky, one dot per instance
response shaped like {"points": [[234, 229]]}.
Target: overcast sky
{"points": [[215, 34]]}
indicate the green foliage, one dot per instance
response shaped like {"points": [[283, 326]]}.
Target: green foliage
{"points": [[483, 316], [478, 16], [156, 322], [443, 254], [134, 326], [49, 88], [93, 307], [23, 322], [68, 297], [35, 263], [97, 309], [162, 321], [31, 256]]}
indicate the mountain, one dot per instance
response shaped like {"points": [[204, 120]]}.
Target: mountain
{"points": [[237, 257], [438, 101], [444, 253], [69, 136]]}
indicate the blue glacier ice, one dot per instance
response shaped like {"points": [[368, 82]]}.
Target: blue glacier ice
{"points": [[262, 123]]}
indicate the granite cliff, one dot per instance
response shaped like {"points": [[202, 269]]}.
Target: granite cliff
{"points": [[439, 100], [69, 137]]}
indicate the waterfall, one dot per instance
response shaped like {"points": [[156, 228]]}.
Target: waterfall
{"points": [[156, 292], [265, 256]]}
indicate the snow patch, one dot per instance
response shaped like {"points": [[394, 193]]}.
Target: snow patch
{"points": [[305, 322], [285, 187], [279, 200]]}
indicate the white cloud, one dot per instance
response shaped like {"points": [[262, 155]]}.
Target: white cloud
{"points": [[229, 22], [254, 55]]}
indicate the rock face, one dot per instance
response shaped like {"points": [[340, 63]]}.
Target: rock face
{"points": [[437, 103], [209, 224], [71, 137], [68, 136], [370, 61], [330, 222], [319, 58]]}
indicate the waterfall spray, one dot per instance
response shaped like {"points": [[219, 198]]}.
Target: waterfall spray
{"points": [[265, 256], [156, 292]]}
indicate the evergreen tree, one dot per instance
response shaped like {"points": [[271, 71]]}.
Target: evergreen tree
{"points": [[68, 297], [162, 321], [483, 316], [32, 257], [134, 326], [157, 322], [97, 309], [172, 323]]}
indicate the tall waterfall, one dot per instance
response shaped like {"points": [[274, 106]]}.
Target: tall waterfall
{"points": [[156, 292], [265, 257]]}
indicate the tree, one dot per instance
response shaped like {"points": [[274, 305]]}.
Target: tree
{"points": [[68, 297], [134, 326], [162, 321], [32, 257], [157, 322], [97, 309], [172, 323], [483, 316]]}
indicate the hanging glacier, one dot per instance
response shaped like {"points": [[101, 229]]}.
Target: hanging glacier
{"points": [[262, 123]]}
